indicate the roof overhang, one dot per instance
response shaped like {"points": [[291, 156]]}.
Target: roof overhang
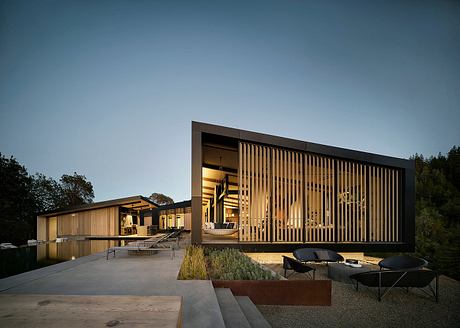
{"points": [[134, 203]]}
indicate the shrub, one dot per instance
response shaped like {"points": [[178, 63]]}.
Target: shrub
{"points": [[194, 264], [231, 264], [225, 264]]}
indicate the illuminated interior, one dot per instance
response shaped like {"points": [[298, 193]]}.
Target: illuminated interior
{"points": [[220, 191], [132, 220], [284, 196]]}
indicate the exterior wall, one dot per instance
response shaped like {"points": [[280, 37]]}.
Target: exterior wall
{"points": [[188, 221], [97, 222], [52, 228], [42, 228]]}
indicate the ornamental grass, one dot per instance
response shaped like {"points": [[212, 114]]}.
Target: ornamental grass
{"points": [[231, 264], [194, 264]]}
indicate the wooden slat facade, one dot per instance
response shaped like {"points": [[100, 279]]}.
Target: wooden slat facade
{"points": [[293, 197], [97, 222]]}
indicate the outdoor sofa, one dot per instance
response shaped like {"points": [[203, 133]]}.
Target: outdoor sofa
{"points": [[317, 255], [303, 255], [220, 229]]}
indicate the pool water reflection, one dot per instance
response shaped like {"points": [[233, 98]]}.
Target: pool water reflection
{"points": [[17, 260]]}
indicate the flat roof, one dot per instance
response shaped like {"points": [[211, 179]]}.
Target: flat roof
{"points": [[183, 204], [299, 145], [133, 202]]}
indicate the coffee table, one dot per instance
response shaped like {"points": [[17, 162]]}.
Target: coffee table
{"points": [[342, 272]]}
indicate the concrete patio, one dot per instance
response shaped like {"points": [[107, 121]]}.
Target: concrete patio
{"points": [[124, 275], [156, 275]]}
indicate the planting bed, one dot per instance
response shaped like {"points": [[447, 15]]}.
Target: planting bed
{"points": [[222, 264]]}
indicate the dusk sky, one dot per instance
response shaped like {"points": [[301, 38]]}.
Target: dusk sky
{"points": [[109, 88]]}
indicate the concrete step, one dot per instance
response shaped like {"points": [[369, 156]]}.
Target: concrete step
{"points": [[231, 311], [252, 313]]}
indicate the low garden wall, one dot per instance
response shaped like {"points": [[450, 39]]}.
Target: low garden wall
{"points": [[281, 292]]}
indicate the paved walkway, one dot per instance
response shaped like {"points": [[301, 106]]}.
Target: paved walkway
{"points": [[124, 275]]}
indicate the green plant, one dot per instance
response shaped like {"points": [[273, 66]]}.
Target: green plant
{"points": [[231, 264], [194, 264]]}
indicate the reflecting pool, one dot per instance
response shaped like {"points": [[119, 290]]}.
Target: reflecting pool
{"points": [[26, 258]]}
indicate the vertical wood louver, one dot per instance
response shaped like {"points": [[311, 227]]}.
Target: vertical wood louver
{"points": [[292, 197]]}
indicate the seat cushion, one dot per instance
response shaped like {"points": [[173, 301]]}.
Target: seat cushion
{"points": [[305, 254], [323, 255]]}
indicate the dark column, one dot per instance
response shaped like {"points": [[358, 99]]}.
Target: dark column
{"points": [[408, 201], [196, 185]]}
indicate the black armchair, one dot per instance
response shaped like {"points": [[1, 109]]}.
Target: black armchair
{"points": [[297, 267]]}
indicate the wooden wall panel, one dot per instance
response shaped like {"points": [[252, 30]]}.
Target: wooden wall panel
{"points": [[97, 222], [254, 193], [288, 199], [319, 195], [292, 197], [351, 202], [383, 204]]}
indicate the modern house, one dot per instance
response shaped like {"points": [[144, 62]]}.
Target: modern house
{"points": [[282, 194], [260, 192], [118, 217]]}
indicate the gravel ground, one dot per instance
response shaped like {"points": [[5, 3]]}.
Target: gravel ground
{"points": [[362, 309]]}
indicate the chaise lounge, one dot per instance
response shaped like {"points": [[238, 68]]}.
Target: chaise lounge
{"points": [[162, 243]]}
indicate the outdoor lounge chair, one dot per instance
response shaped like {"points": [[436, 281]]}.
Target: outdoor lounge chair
{"points": [[151, 244], [418, 278], [299, 267], [317, 255], [402, 262], [174, 235]]}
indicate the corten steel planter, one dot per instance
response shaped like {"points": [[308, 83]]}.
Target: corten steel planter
{"points": [[281, 292]]}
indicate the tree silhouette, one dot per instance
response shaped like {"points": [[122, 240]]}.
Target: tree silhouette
{"points": [[161, 199]]}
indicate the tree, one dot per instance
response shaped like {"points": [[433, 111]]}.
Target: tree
{"points": [[23, 196], [48, 193], [17, 202], [161, 199], [438, 211], [76, 190]]}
